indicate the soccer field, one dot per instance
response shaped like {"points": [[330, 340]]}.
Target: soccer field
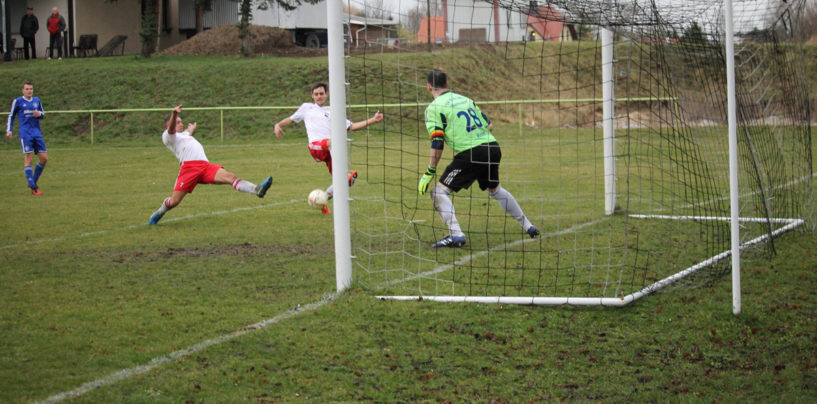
{"points": [[100, 306]]}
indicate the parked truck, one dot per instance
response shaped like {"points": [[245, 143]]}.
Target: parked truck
{"points": [[307, 22]]}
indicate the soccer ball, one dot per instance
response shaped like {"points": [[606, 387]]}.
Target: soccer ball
{"points": [[317, 198]]}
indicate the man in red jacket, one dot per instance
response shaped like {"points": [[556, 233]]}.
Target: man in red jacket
{"points": [[56, 24]]}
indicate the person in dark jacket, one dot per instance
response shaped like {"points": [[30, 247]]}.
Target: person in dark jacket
{"points": [[56, 24], [28, 28]]}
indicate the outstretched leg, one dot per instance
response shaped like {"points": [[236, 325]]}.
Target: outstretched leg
{"points": [[509, 204], [167, 204], [225, 177]]}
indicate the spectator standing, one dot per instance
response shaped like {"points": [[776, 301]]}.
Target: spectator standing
{"points": [[29, 26], [56, 25]]}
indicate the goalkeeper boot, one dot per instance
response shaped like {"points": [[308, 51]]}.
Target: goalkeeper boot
{"points": [[450, 241], [352, 178], [155, 218], [532, 231], [325, 210], [261, 189], [36, 191]]}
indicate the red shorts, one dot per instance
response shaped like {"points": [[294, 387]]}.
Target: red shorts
{"points": [[320, 152], [192, 173]]}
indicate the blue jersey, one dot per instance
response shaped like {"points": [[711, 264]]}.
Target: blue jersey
{"points": [[24, 110]]}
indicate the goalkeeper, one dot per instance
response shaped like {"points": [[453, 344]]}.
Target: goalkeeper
{"points": [[457, 121]]}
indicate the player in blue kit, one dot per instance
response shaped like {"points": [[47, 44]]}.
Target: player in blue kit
{"points": [[29, 111]]}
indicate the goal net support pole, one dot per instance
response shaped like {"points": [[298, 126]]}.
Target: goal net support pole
{"points": [[337, 110], [608, 96], [734, 205]]}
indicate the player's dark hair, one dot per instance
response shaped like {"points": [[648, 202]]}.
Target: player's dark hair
{"points": [[319, 85], [167, 119], [437, 79], [28, 83]]}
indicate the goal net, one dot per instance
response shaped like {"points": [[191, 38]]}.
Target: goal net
{"points": [[628, 202]]}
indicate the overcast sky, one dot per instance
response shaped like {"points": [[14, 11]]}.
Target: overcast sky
{"points": [[748, 14]]}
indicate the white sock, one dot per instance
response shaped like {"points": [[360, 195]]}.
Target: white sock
{"points": [[509, 204], [330, 191], [163, 208], [445, 208], [243, 186]]}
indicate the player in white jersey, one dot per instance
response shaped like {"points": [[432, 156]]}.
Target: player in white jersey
{"points": [[195, 168], [315, 116]]}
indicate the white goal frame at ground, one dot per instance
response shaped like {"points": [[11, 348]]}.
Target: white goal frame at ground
{"points": [[789, 224]]}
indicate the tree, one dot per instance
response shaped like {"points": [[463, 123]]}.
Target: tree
{"points": [[374, 9], [694, 34], [149, 27], [414, 17], [202, 6], [149, 31]]}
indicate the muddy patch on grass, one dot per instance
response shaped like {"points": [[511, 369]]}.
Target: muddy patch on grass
{"points": [[215, 251]]}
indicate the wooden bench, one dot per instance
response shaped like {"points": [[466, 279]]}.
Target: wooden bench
{"points": [[117, 43]]}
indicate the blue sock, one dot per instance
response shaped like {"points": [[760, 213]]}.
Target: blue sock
{"points": [[38, 170], [30, 177]]}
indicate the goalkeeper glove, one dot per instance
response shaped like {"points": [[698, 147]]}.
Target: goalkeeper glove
{"points": [[422, 187]]}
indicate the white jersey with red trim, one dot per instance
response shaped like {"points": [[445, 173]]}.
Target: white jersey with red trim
{"points": [[184, 146], [316, 120]]}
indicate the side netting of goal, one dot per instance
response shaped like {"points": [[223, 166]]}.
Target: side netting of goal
{"points": [[622, 213]]}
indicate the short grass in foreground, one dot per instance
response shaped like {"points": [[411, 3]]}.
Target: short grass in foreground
{"points": [[681, 346], [90, 289]]}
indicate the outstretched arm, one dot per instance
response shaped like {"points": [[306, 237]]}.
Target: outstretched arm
{"points": [[377, 117], [279, 131], [171, 124]]}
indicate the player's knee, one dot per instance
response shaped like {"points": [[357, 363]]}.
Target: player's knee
{"points": [[439, 190]]}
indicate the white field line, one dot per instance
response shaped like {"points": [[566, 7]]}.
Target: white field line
{"points": [[156, 362], [472, 256], [133, 226], [159, 361], [790, 183]]}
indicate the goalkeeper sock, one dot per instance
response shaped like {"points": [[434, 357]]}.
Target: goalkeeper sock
{"points": [[329, 191], [509, 204], [30, 177], [445, 208], [243, 186], [38, 170]]}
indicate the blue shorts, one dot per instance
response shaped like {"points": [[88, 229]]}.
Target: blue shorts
{"points": [[32, 144]]}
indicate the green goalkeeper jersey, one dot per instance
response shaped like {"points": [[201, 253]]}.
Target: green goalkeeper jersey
{"points": [[459, 120]]}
